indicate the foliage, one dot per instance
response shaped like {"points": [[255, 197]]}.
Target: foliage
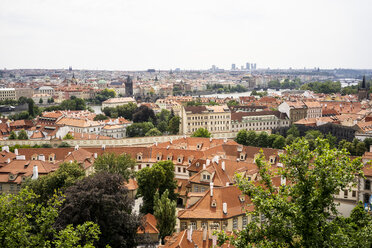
{"points": [[64, 144], [103, 200], [41, 101], [12, 135], [153, 132], [26, 223], [122, 164], [139, 129], [104, 95], [144, 114], [165, 214], [297, 214], [286, 84], [293, 130], [100, 117], [194, 103], [24, 115], [68, 136], [22, 135], [31, 107], [57, 181], [327, 87], [174, 125], [162, 126], [202, 132], [73, 103], [161, 178], [126, 111], [260, 93], [232, 103]]}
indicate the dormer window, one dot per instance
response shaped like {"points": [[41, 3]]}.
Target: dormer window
{"points": [[214, 204], [139, 156], [242, 156], [241, 198], [169, 157], [206, 177], [11, 176], [272, 159], [179, 160], [158, 157], [34, 157], [197, 164]]}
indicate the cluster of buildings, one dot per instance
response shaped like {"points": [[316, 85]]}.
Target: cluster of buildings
{"points": [[205, 171]]}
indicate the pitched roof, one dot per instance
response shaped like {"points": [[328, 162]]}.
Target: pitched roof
{"points": [[149, 225]]}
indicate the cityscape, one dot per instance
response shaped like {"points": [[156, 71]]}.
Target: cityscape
{"points": [[249, 148]]}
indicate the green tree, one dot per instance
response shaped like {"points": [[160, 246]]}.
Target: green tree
{"points": [[279, 142], [360, 149], [144, 114], [153, 132], [163, 115], [22, 135], [161, 177], [263, 140], [122, 164], [297, 214], [31, 107], [57, 181], [165, 214], [232, 103], [41, 101], [332, 140], [64, 144], [293, 130], [127, 110], [12, 135], [100, 117], [102, 199], [68, 136], [202, 132], [139, 129], [27, 223], [252, 138], [242, 137], [162, 126], [174, 125]]}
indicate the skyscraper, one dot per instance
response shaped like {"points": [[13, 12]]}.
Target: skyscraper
{"points": [[233, 67], [247, 66]]}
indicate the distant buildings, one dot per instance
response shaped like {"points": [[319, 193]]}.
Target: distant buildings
{"points": [[7, 94], [113, 102]]}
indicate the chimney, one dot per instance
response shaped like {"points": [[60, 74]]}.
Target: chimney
{"points": [[210, 139], [5, 148], [8, 161], [204, 234], [189, 234], [76, 147], [95, 155], [211, 188], [103, 147], [16, 152], [171, 141], [227, 184], [35, 174], [204, 167], [224, 207], [224, 140], [20, 157], [208, 162], [223, 165]]}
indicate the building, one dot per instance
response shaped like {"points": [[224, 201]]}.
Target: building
{"points": [[7, 94], [46, 90], [113, 102], [216, 119], [294, 110], [129, 87], [363, 91], [258, 121], [24, 92], [313, 109]]}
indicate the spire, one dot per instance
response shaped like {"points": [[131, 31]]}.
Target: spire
{"points": [[364, 85]]}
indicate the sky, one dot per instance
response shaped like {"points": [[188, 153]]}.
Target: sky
{"points": [[187, 34]]}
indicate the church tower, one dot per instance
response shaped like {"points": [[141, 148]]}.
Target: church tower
{"points": [[363, 90]]}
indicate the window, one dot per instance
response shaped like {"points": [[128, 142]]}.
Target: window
{"points": [[204, 225], [193, 225], [345, 193], [139, 166], [235, 223], [354, 193], [196, 188], [183, 225], [1, 187], [245, 221], [367, 185], [179, 169], [184, 170]]}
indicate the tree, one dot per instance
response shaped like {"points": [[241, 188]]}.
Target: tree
{"points": [[162, 126], [241, 137], [68, 136], [360, 149], [163, 115], [27, 223], [100, 117], [57, 181], [279, 142], [41, 101], [263, 140], [232, 103], [332, 140], [297, 214], [251, 138], [165, 214], [161, 177], [293, 130], [127, 110], [153, 132], [202, 132], [122, 164], [174, 125], [144, 114], [64, 144], [12, 135], [102, 199], [31, 107], [22, 135], [139, 129]]}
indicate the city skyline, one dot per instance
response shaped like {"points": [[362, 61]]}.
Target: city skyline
{"points": [[188, 35]]}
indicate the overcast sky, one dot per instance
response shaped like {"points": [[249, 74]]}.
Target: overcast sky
{"points": [[189, 34]]}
